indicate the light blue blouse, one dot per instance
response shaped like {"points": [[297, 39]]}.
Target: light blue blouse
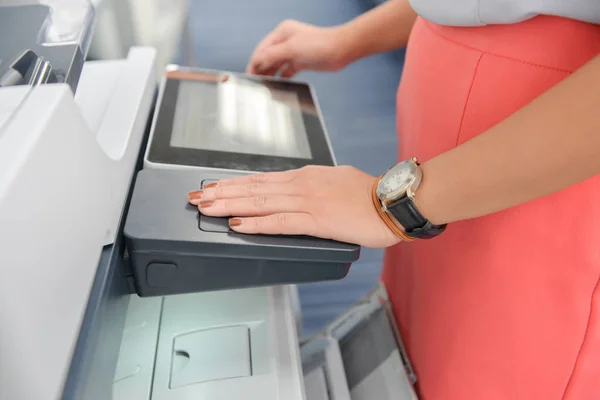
{"points": [[484, 12]]}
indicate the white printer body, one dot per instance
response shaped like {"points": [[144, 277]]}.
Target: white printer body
{"points": [[66, 168]]}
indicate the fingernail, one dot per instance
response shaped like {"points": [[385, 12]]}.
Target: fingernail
{"points": [[235, 222], [206, 204], [195, 195], [211, 185]]}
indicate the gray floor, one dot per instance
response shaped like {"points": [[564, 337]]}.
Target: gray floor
{"points": [[358, 106]]}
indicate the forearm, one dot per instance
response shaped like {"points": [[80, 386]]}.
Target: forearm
{"points": [[551, 144], [384, 28]]}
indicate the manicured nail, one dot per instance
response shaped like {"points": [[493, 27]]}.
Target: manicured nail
{"points": [[206, 204], [195, 195], [211, 185], [235, 222]]}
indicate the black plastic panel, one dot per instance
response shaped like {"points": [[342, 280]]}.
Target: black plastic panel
{"points": [[163, 229]]}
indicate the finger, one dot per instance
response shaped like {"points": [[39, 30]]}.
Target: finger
{"points": [[252, 206], [274, 56], [277, 36], [269, 71], [242, 191], [265, 177], [256, 66], [276, 224], [245, 186], [289, 70]]}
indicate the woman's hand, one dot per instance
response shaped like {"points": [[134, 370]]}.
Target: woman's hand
{"points": [[295, 46], [327, 202]]}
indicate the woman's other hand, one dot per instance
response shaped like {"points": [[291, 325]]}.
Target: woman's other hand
{"points": [[295, 46], [327, 202]]}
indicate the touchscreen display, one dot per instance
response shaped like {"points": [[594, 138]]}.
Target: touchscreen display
{"points": [[239, 116]]}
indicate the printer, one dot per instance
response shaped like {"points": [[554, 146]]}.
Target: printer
{"points": [[111, 285]]}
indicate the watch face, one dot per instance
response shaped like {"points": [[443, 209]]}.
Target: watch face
{"points": [[396, 181]]}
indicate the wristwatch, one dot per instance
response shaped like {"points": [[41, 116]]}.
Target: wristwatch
{"points": [[395, 191]]}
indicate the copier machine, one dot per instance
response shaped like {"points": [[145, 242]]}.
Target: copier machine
{"points": [[111, 285]]}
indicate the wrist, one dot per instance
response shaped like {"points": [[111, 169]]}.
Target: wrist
{"points": [[425, 198], [384, 28], [348, 45], [393, 225], [397, 190]]}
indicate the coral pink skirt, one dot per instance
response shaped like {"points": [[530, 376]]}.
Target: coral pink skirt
{"points": [[507, 306]]}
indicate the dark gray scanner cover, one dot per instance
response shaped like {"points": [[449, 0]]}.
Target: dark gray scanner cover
{"points": [[174, 249]]}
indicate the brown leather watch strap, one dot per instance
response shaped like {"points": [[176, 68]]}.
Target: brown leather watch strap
{"points": [[386, 217]]}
